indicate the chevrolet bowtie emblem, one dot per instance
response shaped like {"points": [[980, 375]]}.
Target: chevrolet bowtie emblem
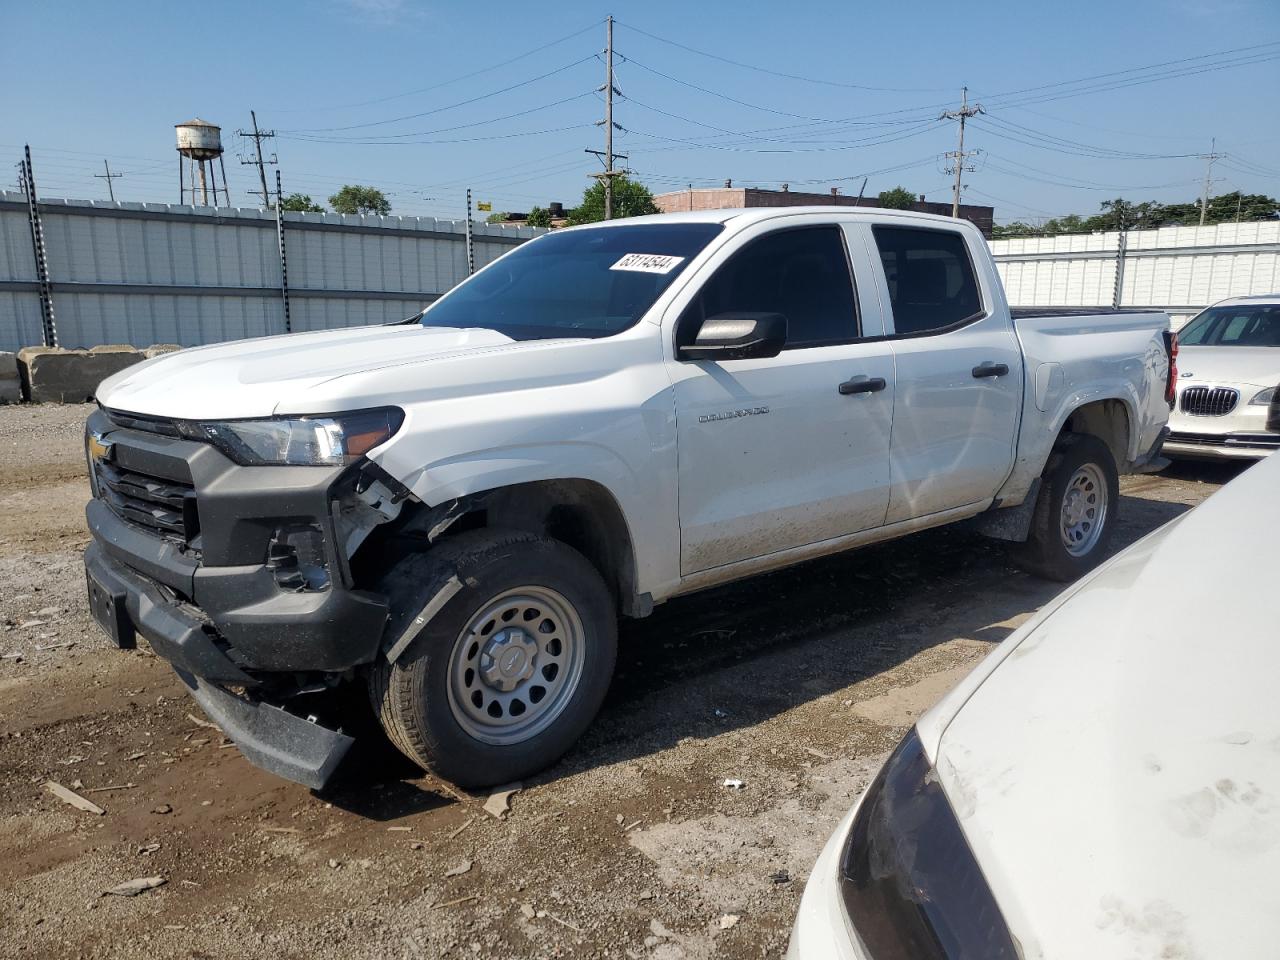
{"points": [[100, 447]]}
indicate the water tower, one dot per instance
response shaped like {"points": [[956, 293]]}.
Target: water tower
{"points": [[200, 143]]}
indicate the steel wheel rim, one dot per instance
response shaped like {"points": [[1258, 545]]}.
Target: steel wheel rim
{"points": [[1084, 510], [516, 665]]}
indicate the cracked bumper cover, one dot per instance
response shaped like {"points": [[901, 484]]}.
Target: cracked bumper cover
{"points": [[221, 619]]}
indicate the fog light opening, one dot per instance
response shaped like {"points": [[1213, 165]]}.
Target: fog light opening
{"points": [[297, 559]]}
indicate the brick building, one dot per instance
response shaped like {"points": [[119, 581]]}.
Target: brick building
{"points": [[731, 197]]}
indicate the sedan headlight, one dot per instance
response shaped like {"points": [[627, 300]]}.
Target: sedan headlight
{"points": [[300, 441], [1264, 397], [910, 884]]}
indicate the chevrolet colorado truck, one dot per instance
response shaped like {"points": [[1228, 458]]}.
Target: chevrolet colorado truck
{"points": [[453, 511]]}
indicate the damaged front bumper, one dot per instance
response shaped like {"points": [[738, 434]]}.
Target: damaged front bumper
{"points": [[187, 551]]}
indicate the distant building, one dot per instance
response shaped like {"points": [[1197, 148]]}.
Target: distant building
{"points": [[731, 197], [559, 216]]}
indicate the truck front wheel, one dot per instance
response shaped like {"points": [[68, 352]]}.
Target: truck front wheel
{"points": [[1075, 510], [510, 671]]}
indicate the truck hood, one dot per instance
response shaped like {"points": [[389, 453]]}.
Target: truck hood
{"points": [[1117, 773], [261, 377], [1259, 366]]}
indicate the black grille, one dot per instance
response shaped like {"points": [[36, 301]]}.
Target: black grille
{"points": [[1209, 401], [165, 506], [1227, 439], [131, 421]]}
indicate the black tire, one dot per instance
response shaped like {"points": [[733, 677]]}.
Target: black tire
{"points": [[412, 698], [1045, 552]]}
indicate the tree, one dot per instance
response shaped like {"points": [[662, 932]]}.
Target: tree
{"points": [[899, 198], [496, 217], [300, 203], [353, 198], [630, 199], [539, 217]]}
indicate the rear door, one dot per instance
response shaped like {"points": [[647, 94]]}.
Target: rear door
{"points": [[772, 454], [959, 373]]}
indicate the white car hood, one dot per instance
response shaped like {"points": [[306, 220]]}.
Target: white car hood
{"points": [[1117, 772], [258, 378], [1259, 366]]}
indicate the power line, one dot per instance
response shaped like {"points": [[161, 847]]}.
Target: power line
{"points": [[460, 126], [451, 80], [408, 143], [1132, 70], [778, 73], [451, 106]]}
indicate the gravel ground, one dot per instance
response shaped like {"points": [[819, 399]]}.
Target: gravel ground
{"points": [[797, 683]]}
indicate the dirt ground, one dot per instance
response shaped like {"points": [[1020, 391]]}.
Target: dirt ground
{"points": [[797, 684]]}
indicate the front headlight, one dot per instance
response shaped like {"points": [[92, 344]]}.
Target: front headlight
{"points": [[1264, 397], [300, 441], [910, 884]]}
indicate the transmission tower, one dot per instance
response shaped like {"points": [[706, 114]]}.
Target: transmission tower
{"points": [[959, 157]]}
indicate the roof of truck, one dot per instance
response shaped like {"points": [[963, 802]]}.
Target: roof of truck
{"points": [[745, 216]]}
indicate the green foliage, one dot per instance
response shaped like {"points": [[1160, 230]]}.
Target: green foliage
{"points": [[899, 198], [1120, 214], [630, 199], [539, 217], [357, 199], [300, 203], [496, 217]]}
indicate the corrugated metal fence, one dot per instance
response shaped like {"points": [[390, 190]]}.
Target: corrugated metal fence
{"points": [[144, 273], [1178, 269]]}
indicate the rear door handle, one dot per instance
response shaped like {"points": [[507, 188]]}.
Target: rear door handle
{"points": [[862, 384], [989, 369]]}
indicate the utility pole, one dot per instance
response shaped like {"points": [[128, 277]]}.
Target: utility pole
{"points": [[960, 155], [1208, 159], [608, 156], [257, 137], [108, 176]]}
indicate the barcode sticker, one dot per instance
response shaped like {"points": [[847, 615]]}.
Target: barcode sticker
{"points": [[647, 263]]}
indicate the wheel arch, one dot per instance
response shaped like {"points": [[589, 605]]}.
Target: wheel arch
{"points": [[580, 513], [1111, 420]]}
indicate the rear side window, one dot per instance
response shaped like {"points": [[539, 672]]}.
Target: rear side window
{"points": [[802, 274], [932, 286]]}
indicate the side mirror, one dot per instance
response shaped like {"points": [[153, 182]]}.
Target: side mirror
{"points": [[1273, 412], [738, 336]]}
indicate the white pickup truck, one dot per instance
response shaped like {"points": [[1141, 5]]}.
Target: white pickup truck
{"points": [[454, 510]]}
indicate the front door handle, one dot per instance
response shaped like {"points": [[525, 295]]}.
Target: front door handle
{"points": [[989, 369], [862, 385]]}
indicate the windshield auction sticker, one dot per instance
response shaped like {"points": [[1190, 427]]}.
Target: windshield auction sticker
{"points": [[647, 263]]}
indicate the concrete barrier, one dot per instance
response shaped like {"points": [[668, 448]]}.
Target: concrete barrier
{"points": [[160, 349], [10, 382], [55, 375]]}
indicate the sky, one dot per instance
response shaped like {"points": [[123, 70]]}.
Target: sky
{"points": [[426, 99]]}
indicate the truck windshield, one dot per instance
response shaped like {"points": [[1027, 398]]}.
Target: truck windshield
{"points": [[1245, 325], [580, 283]]}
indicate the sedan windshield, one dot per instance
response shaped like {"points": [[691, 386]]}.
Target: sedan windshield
{"points": [[1245, 325], [580, 283]]}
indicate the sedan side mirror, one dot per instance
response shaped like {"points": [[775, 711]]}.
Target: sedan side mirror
{"points": [[737, 336]]}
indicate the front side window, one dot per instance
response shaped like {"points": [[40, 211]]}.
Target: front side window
{"points": [[1248, 325], [932, 286], [802, 274], [580, 283]]}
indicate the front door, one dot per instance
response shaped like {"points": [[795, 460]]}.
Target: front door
{"points": [[775, 453]]}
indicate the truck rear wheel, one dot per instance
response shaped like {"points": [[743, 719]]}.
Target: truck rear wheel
{"points": [[1075, 510], [511, 669]]}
